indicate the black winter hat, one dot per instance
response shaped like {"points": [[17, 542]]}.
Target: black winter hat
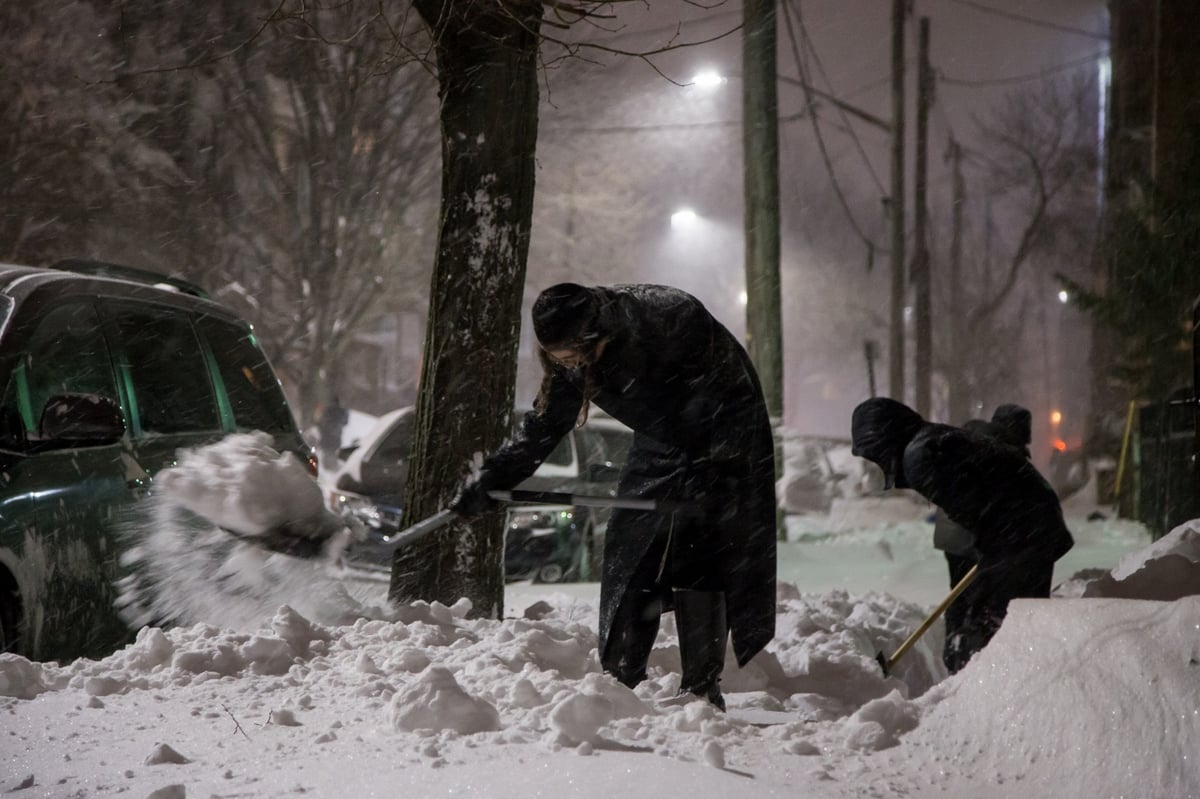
{"points": [[880, 429], [565, 314], [1013, 425]]}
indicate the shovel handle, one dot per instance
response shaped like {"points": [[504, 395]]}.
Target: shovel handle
{"points": [[418, 530], [442, 518], [888, 663], [566, 498]]}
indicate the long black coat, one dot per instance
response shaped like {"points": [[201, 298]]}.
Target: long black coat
{"points": [[987, 487], [686, 387]]}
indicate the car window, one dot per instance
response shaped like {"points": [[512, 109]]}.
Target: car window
{"points": [[609, 446], [397, 444], [561, 454], [67, 354], [254, 393], [162, 360]]}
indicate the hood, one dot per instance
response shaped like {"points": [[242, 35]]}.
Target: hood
{"points": [[880, 430], [1013, 425]]}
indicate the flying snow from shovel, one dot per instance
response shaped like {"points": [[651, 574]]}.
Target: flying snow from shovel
{"points": [[192, 553]]}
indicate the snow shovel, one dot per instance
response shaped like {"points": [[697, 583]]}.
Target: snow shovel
{"points": [[442, 518], [886, 663], [309, 546]]}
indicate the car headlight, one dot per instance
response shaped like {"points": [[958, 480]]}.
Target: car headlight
{"points": [[541, 521], [360, 507]]}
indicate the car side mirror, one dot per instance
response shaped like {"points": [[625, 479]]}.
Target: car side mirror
{"points": [[602, 473], [85, 419]]}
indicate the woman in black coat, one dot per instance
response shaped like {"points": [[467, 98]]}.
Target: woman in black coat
{"points": [[655, 359], [987, 487]]}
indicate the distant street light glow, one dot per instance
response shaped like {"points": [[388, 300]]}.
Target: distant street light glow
{"points": [[1055, 417], [707, 79], [1063, 296], [743, 297], [683, 217]]}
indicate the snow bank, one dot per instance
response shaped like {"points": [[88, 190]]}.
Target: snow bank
{"points": [[1167, 569], [1101, 690]]}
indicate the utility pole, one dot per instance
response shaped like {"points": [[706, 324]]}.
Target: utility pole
{"points": [[760, 164], [760, 139], [921, 279], [959, 408], [896, 206]]}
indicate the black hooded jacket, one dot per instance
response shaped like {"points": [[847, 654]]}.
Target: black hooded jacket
{"points": [[987, 487], [682, 382]]}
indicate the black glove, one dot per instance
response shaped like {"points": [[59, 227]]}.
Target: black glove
{"points": [[472, 498]]}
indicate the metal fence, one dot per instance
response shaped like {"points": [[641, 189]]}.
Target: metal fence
{"points": [[1166, 450], [1165, 458]]}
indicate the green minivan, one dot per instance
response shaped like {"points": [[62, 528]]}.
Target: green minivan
{"points": [[108, 372]]}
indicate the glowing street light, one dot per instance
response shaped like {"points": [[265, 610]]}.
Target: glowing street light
{"points": [[707, 79], [683, 218], [743, 297], [1055, 417], [1063, 296]]}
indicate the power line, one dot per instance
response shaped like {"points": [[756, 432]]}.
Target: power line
{"points": [[821, 146], [1029, 76], [806, 40], [1041, 23]]}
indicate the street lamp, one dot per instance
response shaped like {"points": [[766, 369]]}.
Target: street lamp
{"points": [[707, 79], [683, 218], [1063, 296]]}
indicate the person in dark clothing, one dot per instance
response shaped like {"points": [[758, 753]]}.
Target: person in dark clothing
{"points": [[1011, 425], [989, 488], [655, 359]]}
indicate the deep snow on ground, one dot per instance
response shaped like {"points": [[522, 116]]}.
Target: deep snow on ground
{"points": [[1075, 697]]}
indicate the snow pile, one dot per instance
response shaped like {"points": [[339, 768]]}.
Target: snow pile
{"points": [[1167, 569], [435, 701], [1101, 690]]}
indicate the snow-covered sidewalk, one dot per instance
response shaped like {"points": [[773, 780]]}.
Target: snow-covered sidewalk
{"points": [[284, 677]]}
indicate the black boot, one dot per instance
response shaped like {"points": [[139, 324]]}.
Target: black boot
{"points": [[700, 619], [631, 638]]}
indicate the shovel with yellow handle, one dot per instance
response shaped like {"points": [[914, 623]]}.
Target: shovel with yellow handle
{"points": [[888, 663]]}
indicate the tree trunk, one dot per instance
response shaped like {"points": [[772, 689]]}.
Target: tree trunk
{"points": [[487, 61]]}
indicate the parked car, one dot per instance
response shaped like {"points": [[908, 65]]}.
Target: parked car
{"points": [[544, 543], [109, 371], [816, 471]]}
